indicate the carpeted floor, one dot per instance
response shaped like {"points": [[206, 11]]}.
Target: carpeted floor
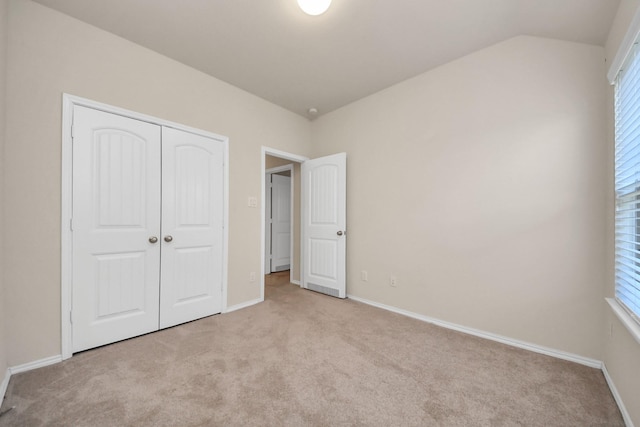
{"points": [[305, 359]]}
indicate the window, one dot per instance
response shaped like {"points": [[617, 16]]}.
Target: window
{"points": [[627, 185]]}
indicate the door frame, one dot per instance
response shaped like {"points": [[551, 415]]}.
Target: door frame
{"points": [[66, 237], [267, 204], [263, 214]]}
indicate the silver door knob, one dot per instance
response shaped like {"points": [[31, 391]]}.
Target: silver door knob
{"points": [[339, 233], [168, 239], [153, 239]]}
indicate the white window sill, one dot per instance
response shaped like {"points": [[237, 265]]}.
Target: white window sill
{"points": [[632, 326]]}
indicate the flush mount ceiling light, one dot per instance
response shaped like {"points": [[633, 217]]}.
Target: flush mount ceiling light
{"points": [[314, 7]]}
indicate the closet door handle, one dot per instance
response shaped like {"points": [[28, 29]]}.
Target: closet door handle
{"points": [[153, 239], [168, 239]]}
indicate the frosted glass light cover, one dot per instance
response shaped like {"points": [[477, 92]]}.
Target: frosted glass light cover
{"points": [[314, 7]]}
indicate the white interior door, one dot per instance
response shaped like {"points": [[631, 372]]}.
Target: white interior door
{"points": [[280, 223], [192, 226], [324, 183], [116, 215]]}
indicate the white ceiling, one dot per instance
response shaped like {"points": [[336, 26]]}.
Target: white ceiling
{"points": [[358, 47]]}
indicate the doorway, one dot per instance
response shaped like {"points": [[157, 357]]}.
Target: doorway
{"points": [[279, 163], [321, 257], [279, 214]]}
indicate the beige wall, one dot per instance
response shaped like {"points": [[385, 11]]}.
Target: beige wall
{"points": [[626, 11], [480, 187], [622, 360], [3, 319], [621, 352], [272, 162], [50, 53]]}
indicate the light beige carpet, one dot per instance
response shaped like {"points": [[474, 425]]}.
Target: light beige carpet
{"points": [[302, 358]]}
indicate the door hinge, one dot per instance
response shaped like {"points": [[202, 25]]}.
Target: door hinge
{"points": [[73, 131], [71, 224], [71, 317]]}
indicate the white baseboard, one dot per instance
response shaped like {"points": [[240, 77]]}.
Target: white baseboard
{"points": [[296, 282], [243, 305], [616, 395], [488, 335], [24, 368], [4, 384], [36, 364]]}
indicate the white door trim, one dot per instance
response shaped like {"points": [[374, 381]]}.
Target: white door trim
{"points": [[283, 155], [267, 204], [66, 256]]}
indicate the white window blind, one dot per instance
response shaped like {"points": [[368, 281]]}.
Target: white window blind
{"points": [[627, 184]]}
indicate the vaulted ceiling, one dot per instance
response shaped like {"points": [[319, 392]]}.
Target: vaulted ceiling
{"points": [[358, 47]]}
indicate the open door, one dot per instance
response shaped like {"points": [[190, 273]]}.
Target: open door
{"points": [[324, 214]]}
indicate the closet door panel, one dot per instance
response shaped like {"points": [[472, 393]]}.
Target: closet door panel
{"points": [[192, 221], [116, 210]]}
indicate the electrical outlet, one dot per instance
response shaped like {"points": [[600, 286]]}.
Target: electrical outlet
{"points": [[392, 281], [252, 276], [364, 276], [252, 202]]}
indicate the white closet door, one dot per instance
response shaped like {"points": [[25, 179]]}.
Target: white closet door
{"points": [[192, 221], [116, 215]]}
